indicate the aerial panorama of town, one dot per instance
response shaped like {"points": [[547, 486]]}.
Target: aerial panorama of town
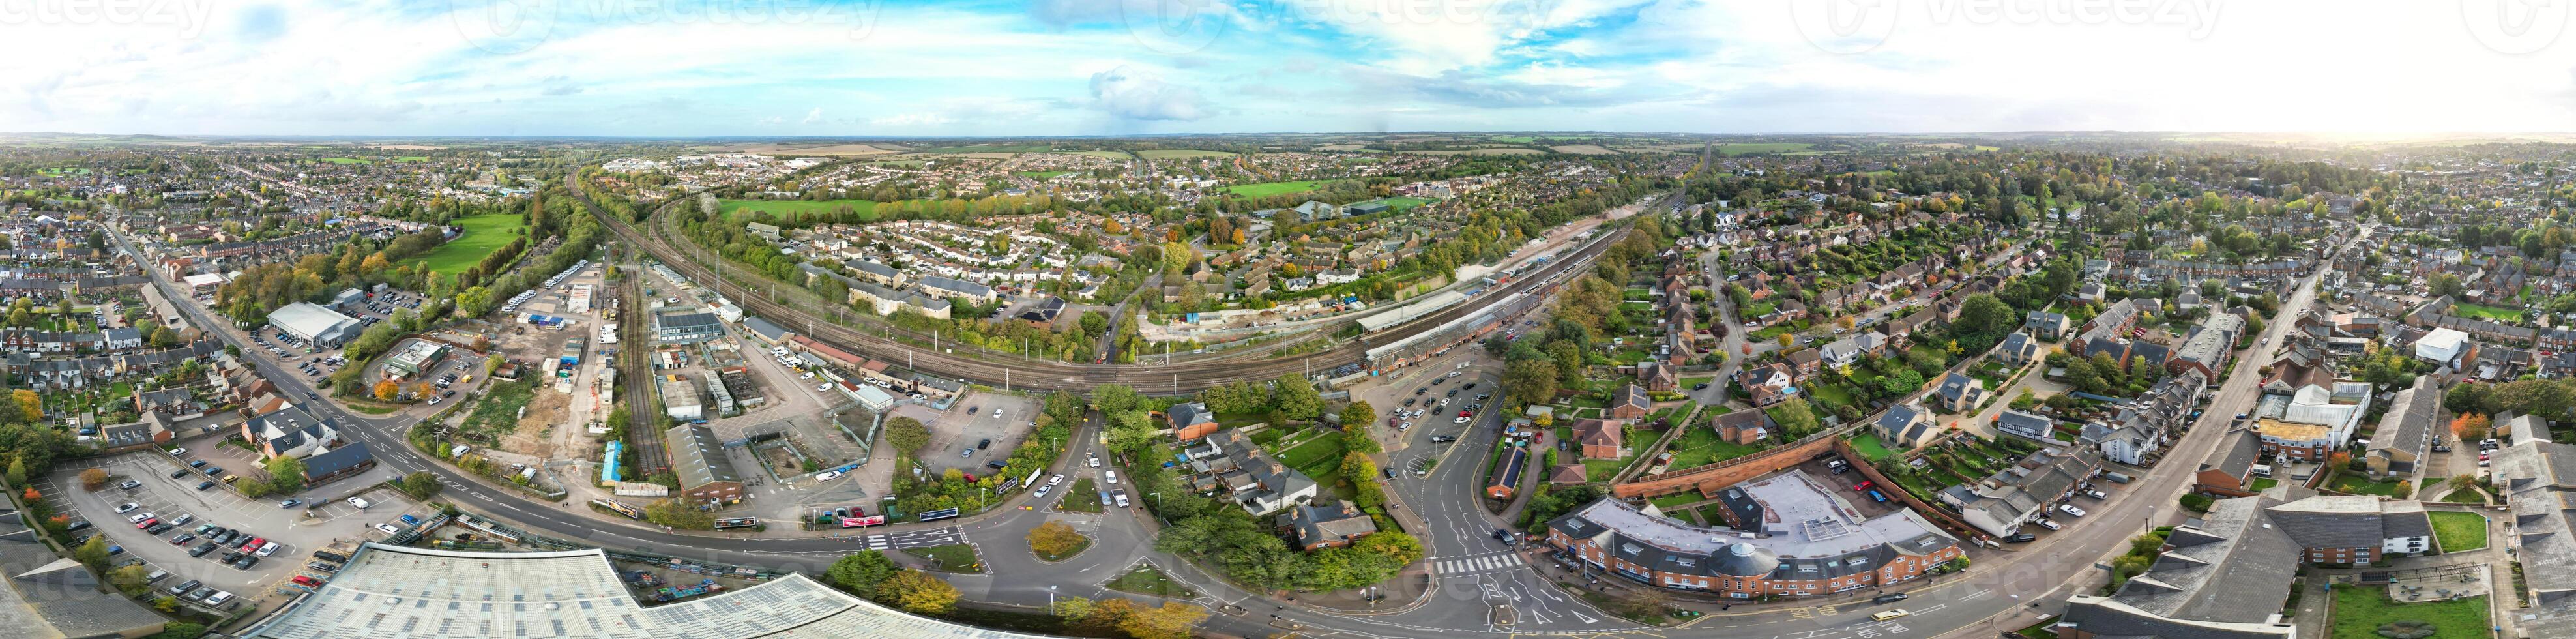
{"points": [[1289, 385]]}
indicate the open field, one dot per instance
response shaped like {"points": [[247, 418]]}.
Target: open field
{"points": [[483, 235], [1112, 155], [1267, 189], [1170, 154], [730, 208], [1341, 147], [1491, 151], [1742, 148], [2497, 313], [989, 148], [1584, 149], [828, 149]]}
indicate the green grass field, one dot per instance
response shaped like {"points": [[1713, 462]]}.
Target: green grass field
{"points": [[1082, 496], [2459, 531], [1700, 446], [952, 557], [1267, 189], [2496, 313], [1402, 204], [731, 209], [1742, 148], [346, 161], [1871, 448], [412, 158], [1041, 175], [483, 235], [1145, 580], [2360, 611], [1316, 457], [1169, 154]]}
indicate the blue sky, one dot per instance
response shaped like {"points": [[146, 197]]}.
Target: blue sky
{"points": [[1089, 67]]}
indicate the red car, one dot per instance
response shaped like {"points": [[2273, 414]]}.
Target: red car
{"points": [[254, 542], [302, 580], [146, 523], [1863, 487], [1465, 413]]}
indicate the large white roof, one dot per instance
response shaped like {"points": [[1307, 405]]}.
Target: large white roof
{"points": [[393, 592]]}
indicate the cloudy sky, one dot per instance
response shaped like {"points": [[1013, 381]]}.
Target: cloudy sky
{"points": [[1051, 67]]}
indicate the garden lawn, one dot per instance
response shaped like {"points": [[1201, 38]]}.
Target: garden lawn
{"points": [[484, 234], [2359, 612], [1267, 189], [1668, 502], [2459, 531], [1700, 447], [2265, 483], [2359, 485], [1317, 457], [952, 557], [2496, 313], [1871, 448], [1146, 580], [1829, 396]]}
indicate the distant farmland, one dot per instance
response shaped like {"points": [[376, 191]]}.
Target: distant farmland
{"points": [[990, 148], [1267, 189], [1745, 148], [1168, 154]]}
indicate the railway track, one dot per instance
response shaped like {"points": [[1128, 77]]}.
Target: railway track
{"points": [[1177, 378]]}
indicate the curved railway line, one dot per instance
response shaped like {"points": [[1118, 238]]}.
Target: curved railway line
{"points": [[1173, 379]]}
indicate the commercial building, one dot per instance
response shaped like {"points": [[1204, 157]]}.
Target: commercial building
{"points": [[706, 474], [1789, 536], [572, 593], [311, 322], [680, 398], [2225, 577], [686, 328], [2353, 529], [415, 356]]}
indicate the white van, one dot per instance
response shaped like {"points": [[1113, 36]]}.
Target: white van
{"points": [[1112, 475], [360, 502]]}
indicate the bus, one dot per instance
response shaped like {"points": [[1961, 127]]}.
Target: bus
{"points": [[737, 522], [936, 515]]}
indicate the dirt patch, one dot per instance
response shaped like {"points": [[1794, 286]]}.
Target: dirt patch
{"points": [[532, 435]]}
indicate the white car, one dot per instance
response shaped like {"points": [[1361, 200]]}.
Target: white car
{"points": [[1057, 479], [1095, 461], [1042, 490], [2051, 525], [137, 517], [269, 548], [2070, 509], [175, 452], [822, 388], [1460, 420]]}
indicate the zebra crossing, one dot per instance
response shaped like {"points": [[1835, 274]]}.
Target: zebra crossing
{"points": [[1476, 563]]}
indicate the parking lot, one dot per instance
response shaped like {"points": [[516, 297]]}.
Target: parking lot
{"points": [[296, 531], [1005, 419]]}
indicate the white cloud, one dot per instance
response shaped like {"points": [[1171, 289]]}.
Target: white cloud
{"points": [[814, 116], [1136, 94]]}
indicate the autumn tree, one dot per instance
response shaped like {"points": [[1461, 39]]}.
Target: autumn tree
{"points": [[1055, 541], [1172, 620], [1359, 414], [30, 406], [2471, 427], [918, 593], [94, 478], [387, 390], [907, 434]]}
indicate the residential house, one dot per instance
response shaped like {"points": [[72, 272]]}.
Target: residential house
{"points": [[1630, 402], [1329, 524], [1904, 427], [2030, 426], [1600, 438], [1190, 420], [2407, 430], [1959, 393], [2000, 503], [1745, 427]]}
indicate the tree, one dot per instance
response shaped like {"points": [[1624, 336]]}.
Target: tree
{"points": [[1788, 339], [420, 485], [18, 473], [286, 473], [181, 630], [386, 390], [678, 514], [1115, 398], [1296, 398], [1093, 323], [129, 579], [907, 434], [2470, 427], [1794, 416], [1055, 541], [1172, 620], [94, 478], [859, 573], [1360, 414], [2466, 398], [92, 553], [1403, 548], [918, 593], [30, 406], [1103, 618], [1069, 609], [1529, 381]]}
